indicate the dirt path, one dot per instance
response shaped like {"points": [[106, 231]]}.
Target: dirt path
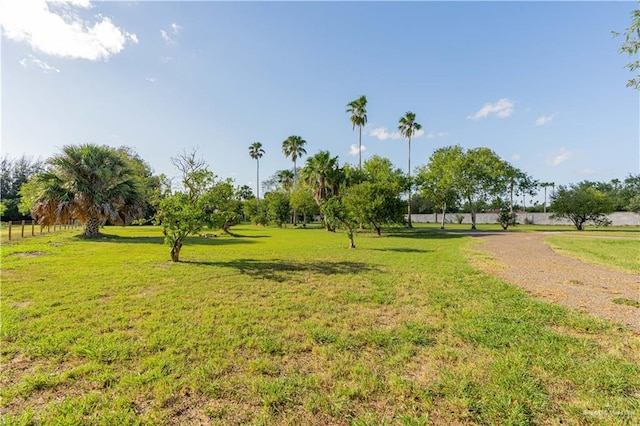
{"points": [[527, 261]]}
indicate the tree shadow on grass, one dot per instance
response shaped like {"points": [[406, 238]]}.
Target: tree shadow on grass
{"points": [[192, 240], [282, 270], [425, 234], [403, 250]]}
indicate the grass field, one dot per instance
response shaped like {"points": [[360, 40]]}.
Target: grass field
{"points": [[288, 326], [618, 253]]}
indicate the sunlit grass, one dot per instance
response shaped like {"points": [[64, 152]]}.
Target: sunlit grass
{"points": [[617, 253], [289, 326]]}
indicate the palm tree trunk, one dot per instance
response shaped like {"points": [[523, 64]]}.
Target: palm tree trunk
{"points": [[258, 178], [92, 227], [409, 174], [360, 147]]}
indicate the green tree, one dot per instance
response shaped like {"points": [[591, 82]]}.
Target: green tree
{"points": [[437, 179], [358, 110], [277, 207], [87, 182], [302, 200], [336, 212], [374, 198], [581, 203], [479, 178], [256, 152], [202, 201], [631, 46], [13, 174], [408, 128], [324, 176], [293, 147]]}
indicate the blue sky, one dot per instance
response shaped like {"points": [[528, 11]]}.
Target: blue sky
{"points": [[540, 83]]}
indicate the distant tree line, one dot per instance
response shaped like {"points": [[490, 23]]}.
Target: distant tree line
{"points": [[98, 185]]}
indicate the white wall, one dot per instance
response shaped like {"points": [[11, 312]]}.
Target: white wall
{"points": [[617, 218]]}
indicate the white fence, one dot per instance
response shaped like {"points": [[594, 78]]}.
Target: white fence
{"points": [[617, 218]]}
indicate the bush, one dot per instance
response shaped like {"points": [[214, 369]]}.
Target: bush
{"points": [[506, 218]]}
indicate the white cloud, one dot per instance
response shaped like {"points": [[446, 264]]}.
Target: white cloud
{"points": [[354, 149], [433, 135], [33, 61], [173, 30], [503, 108], [587, 171], [515, 157], [562, 156], [382, 134], [544, 119], [151, 79], [56, 29]]}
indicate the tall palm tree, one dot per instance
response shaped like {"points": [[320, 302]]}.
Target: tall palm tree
{"points": [[408, 127], [256, 152], [90, 183], [293, 147], [358, 110]]}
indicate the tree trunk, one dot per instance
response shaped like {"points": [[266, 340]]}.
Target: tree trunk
{"points": [[409, 174], [360, 147], [378, 230], [444, 212], [351, 242], [175, 250], [304, 218], [473, 215], [92, 227], [511, 198]]}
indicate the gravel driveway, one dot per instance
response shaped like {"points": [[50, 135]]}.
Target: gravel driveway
{"points": [[527, 261]]}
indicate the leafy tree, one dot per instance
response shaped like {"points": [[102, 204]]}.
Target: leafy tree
{"points": [[506, 217], [202, 201], [336, 212], [437, 179], [293, 147], [408, 127], [581, 203], [277, 207], [518, 183], [358, 110], [244, 192], [13, 174], [302, 200], [629, 193], [324, 176], [631, 46], [256, 152], [376, 199], [480, 176], [87, 182]]}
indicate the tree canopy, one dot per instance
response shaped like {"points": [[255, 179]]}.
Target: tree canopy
{"points": [[581, 203], [91, 183]]}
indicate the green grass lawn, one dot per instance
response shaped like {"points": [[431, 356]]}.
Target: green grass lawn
{"points": [[288, 326], [617, 253]]}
